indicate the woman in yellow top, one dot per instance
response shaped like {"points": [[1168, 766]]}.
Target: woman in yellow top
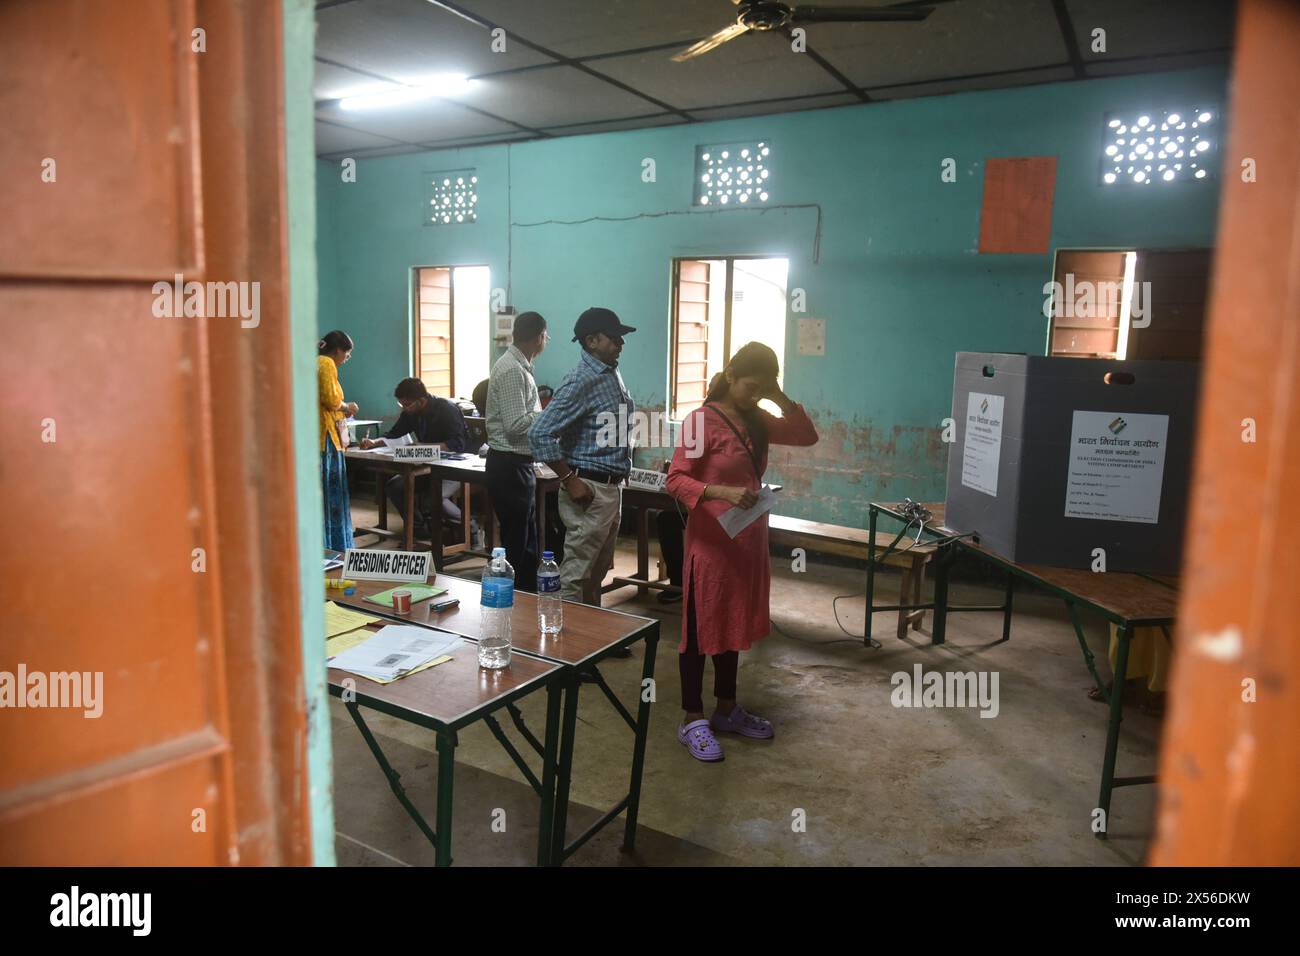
{"points": [[333, 351]]}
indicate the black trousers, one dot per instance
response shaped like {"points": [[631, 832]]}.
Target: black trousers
{"points": [[690, 665], [672, 532], [512, 486]]}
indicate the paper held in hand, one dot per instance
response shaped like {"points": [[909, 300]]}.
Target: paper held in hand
{"points": [[736, 520]]}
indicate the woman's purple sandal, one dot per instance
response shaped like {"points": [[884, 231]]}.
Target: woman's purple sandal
{"points": [[697, 738], [744, 723]]}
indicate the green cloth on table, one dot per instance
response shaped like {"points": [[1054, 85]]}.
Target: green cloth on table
{"points": [[419, 592]]}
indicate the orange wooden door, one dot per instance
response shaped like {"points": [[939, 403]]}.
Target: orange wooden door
{"points": [[136, 513], [1229, 779]]}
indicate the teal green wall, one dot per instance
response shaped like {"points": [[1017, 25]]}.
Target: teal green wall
{"points": [[899, 281], [299, 146]]}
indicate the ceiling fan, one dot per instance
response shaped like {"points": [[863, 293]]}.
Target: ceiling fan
{"points": [[765, 15]]}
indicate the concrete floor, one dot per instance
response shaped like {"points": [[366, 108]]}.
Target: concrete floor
{"points": [[876, 784]]}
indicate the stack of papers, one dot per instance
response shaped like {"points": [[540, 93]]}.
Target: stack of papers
{"points": [[395, 651], [340, 620]]}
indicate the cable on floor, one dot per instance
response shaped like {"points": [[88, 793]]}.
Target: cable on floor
{"points": [[856, 639]]}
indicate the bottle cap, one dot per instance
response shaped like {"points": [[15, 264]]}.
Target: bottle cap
{"points": [[498, 552], [548, 555]]}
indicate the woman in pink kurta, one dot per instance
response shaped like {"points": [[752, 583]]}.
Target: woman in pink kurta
{"points": [[719, 466]]}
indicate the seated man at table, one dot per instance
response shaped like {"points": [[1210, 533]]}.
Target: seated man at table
{"points": [[433, 421]]}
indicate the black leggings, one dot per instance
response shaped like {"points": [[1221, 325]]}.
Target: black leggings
{"points": [[691, 664]]}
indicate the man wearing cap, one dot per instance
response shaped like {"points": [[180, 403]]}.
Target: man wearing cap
{"points": [[572, 436], [512, 407]]}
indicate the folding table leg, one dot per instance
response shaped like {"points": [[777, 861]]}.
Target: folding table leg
{"points": [[1124, 632], [435, 521], [871, 573], [918, 576], [642, 731], [1087, 652], [564, 769], [408, 526], [904, 599], [446, 773], [545, 839], [941, 565], [1006, 606], [642, 548], [393, 777]]}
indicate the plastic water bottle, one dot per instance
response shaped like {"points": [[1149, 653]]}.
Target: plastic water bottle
{"points": [[496, 604], [550, 609]]}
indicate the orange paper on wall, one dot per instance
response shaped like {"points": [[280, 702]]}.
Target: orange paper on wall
{"points": [[1017, 211]]}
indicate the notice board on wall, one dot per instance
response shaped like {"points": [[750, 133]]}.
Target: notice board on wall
{"points": [[1017, 212]]}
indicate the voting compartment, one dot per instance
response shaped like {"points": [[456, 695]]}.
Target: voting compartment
{"points": [[1054, 458]]}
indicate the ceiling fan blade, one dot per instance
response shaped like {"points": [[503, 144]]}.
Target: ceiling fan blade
{"points": [[709, 43], [857, 14]]}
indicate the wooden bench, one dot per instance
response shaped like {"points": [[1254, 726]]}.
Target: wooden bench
{"points": [[856, 543]]}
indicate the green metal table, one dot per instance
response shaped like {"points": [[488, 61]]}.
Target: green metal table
{"points": [[447, 698], [1124, 599], [931, 531], [591, 635], [582, 668]]}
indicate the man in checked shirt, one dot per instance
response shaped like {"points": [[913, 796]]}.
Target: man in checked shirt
{"points": [[569, 437], [512, 407]]}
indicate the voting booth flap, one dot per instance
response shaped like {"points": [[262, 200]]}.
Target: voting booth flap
{"points": [[1055, 458]]}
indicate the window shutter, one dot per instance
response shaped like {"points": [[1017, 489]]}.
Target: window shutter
{"points": [[433, 332], [691, 344]]}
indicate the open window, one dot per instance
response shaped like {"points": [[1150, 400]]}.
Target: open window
{"points": [[720, 304], [452, 328], [1127, 303]]}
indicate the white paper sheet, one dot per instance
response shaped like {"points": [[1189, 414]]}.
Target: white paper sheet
{"points": [[1117, 466], [398, 442], [736, 520], [983, 448], [394, 650]]}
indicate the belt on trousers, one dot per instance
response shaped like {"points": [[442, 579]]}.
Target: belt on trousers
{"points": [[600, 476], [512, 456]]}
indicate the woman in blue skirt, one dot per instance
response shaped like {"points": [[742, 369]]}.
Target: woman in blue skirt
{"points": [[333, 351]]}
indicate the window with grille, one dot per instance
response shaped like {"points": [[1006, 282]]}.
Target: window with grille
{"points": [[1142, 148], [733, 174], [453, 197]]}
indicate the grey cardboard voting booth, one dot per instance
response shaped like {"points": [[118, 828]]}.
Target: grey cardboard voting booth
{"points": [[1055, 457]]}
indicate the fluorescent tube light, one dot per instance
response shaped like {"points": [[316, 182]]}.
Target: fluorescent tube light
{"points": [[447, 85]]}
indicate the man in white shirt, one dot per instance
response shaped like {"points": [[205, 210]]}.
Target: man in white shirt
{"points": [[512, 407]]}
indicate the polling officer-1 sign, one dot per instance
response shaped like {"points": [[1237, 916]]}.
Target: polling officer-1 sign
{"points": [[416, 453], [646, 479], [387, 565]]}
